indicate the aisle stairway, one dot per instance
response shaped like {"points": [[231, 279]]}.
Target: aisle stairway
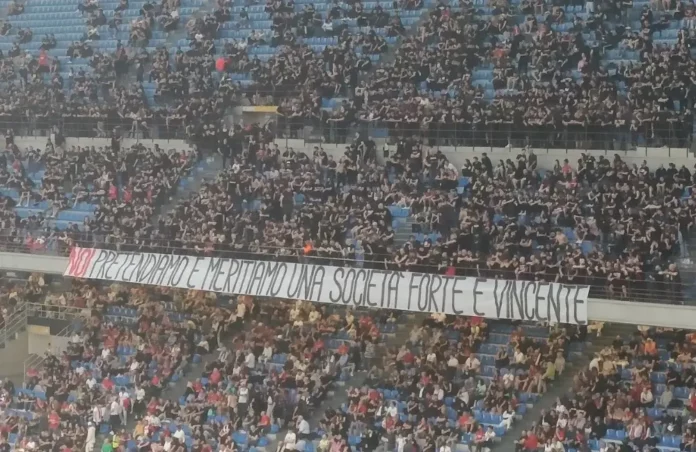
{"points": [[564, 384]]}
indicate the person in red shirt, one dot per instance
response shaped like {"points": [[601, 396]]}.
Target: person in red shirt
{"points": [[531, 442], [264, 422], [53, 420], [215, 377], [108, 384]]}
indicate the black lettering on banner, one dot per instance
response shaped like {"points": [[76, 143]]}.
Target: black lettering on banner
{"points": [[541, 290], [246, 265], [517, 300], [158, 267], [423, 292], [134, 265], [166, 272], [126, 258], [393, 288], [148, 267], [528, 300], [179, 271], [435, 285], [231, 273], [369, 285], [337, 277], [385, 281], [292, 293], [348, 287], [553, 308], [221, 274], [498, 300], [360, 279], [456, 292], [280, 278], [269, 275], [194, 270], [99, 263], [319, 273], [476, 294], [213, 266], [307, 281], [567, 289], [444, 293], [411, 286], [257, 277], [577, 301], [109, 266], [110, 257]]}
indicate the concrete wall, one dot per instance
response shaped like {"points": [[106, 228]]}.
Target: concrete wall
{"points": [[29, 263], [12, 356], [40, 340]]}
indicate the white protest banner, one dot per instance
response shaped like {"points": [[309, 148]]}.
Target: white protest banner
{"points": [[416, 292]]}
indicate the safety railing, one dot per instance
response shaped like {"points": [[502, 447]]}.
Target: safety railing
{"points": [[35, 361], [15, 324], [676, 136], [51, 311], [652, 286]]}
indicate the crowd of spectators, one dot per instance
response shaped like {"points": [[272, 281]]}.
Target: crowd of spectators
{"points": [[529, 73], [607, 224], [116, 191], [636, 394], [268, 366]]}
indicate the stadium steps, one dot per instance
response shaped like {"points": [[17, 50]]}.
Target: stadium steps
{"points": [[562, 385], [206, 170], [339, 397], [403, 232]]}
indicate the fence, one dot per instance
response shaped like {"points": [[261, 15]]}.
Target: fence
{"points": [[653, 287], [96, 127], [14, 324], [677, 136]]}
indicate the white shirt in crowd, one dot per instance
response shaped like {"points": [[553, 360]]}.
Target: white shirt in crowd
{"points": [[290, 440], [303, 427], [180, 435], [250, 360], [115, 408], [472, 363], [243, 394]]}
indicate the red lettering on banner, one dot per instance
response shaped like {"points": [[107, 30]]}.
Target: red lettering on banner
{"points": [[80, 258]]}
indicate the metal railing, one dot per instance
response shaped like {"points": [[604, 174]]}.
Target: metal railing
{"points": [[56, 312], [15, 324], [651, 286], [677, 136], [35, 361]]}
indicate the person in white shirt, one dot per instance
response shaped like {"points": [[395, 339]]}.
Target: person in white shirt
{"points": [[453, 362], [288, 443], [242, 399], [302, 428], [250, 360], [96, 415], [445, 448], [91, 439], [179, 434], [114, 414], [472, 365], [124, 401]]}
